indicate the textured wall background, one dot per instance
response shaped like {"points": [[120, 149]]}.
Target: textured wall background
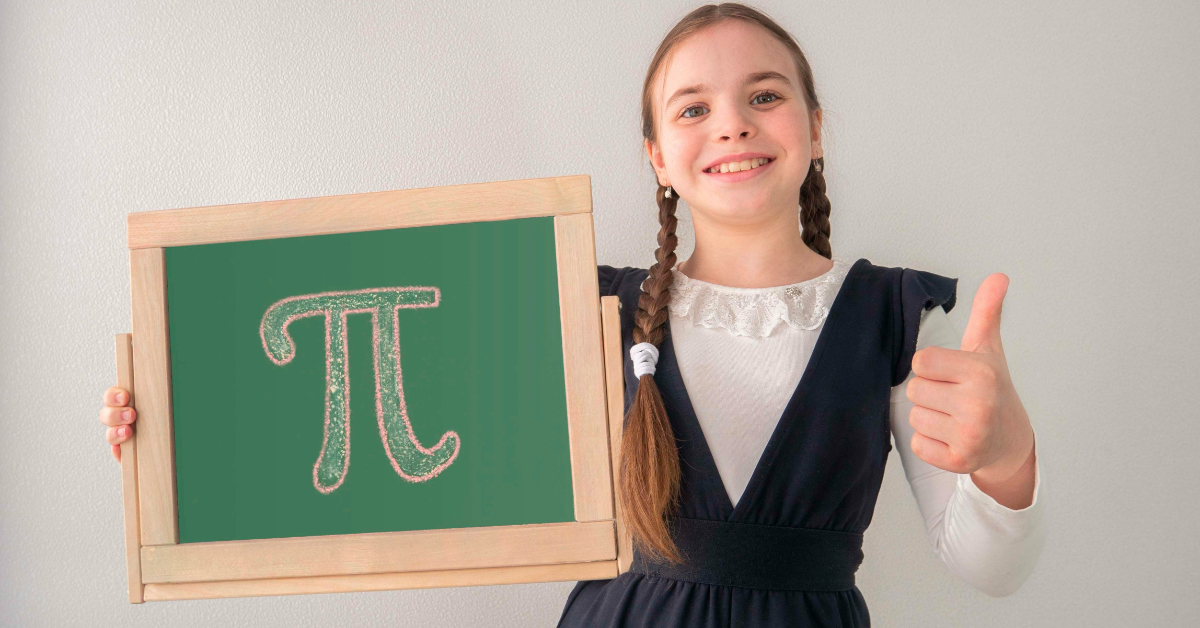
{"points": [[1055, 142]]}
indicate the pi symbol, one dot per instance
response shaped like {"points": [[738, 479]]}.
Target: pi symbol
{"points": [[409, 458]]}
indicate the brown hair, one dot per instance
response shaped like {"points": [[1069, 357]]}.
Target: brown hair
{"points": [[649, 475]]}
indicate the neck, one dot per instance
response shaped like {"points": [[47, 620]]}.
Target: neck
{"points": [[759, 255]]}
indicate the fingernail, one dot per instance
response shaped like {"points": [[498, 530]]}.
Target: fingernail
{"points": [[121, 398], [125, 416], [122, 432]]}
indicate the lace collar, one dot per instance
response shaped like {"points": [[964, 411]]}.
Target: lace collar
{"points": [[756, 312]]}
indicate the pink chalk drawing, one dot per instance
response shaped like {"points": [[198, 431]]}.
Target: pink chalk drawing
{"points": [[409, 458]]}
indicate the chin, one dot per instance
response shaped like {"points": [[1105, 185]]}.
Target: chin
{"points": [[739, 211], [758, 204]]}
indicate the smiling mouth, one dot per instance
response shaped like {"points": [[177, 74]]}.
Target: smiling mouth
{"points": [[744, 168]]}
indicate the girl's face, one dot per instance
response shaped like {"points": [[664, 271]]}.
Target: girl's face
{"points": [[729, 90]]}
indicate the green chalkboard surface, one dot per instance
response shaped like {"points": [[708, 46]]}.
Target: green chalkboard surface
{"points": [[450, 331]]}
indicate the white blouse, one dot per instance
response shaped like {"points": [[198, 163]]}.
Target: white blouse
{"points": [[764, 337]]}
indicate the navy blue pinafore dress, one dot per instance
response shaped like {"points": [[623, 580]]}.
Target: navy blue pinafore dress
{"points": [[787, 554]]}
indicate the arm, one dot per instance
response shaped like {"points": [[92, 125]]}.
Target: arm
{"points": [[990, 546]]}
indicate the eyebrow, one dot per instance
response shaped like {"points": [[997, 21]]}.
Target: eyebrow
{"points": [[750, 79]]}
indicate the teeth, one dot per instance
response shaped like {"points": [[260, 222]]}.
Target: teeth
{"points": [[738, 166]]}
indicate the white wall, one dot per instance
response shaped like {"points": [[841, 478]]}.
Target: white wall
{"points": [[1055, 142]]}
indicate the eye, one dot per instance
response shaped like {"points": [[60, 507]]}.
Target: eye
{"points": [[773, 97], [776, 96]]}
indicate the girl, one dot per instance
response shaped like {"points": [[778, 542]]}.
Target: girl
{"points": [[765, 376], [753, 451]]}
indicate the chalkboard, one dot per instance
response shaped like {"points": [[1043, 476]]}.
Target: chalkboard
{"points": [[370, 391], [476, 356]]}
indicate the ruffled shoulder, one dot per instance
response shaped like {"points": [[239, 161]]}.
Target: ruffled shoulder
{"points": [[612, 278], [756, 312], [609, 278], [915, 292]]}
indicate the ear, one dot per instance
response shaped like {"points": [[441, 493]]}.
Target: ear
{"points": [[815, 131], [660, 169]]}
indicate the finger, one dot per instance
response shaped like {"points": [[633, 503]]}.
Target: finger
{"points": [[118, 435], [116, 396], [118, 415], [983, 327], [932, 394], [116, 452], [942, 364], [933, 451], [933, 424]]}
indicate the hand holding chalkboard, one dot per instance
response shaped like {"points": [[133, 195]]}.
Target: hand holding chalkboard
{"points": [[119, 418]]}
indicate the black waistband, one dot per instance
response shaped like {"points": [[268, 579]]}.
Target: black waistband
{"points": [[760, 556]]}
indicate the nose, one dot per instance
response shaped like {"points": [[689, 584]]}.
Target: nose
{"points": [[735, 124]]}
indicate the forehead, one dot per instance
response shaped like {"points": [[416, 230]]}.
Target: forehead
{"points": [[720, 57]]}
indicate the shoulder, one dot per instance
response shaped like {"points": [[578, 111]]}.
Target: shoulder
{"points": [[909, 287], [616, 279]]}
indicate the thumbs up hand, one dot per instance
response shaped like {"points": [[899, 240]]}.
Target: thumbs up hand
{"points": [[966, 413]]}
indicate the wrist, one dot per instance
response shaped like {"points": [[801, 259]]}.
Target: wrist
{"points": [[1013, 490], [1007, 467]]}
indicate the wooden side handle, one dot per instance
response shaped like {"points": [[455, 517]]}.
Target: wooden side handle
{"points": [[614, 378], [129, 487]]}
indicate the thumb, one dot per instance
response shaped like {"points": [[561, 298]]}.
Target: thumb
{"points": [[983, 329]]}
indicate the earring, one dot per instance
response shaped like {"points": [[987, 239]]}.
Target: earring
{"points": [[667, 194], [817, 164]]}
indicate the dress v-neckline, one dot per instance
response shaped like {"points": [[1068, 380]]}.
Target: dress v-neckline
{"points": [[771, 450]]}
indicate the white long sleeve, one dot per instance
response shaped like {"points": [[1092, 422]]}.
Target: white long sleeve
{"points": [[992, 547], [739, 398]]}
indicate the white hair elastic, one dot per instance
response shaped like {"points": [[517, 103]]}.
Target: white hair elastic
{"points": [[645, 357]]}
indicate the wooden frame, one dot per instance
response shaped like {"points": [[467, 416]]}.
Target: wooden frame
{"points": [[160, 568]]}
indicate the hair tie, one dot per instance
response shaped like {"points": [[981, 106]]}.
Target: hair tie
{"points": [[645, 357]]}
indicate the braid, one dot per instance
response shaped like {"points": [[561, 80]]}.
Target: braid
{"points": [[652, 304], [814, 210], [650, 475]]}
